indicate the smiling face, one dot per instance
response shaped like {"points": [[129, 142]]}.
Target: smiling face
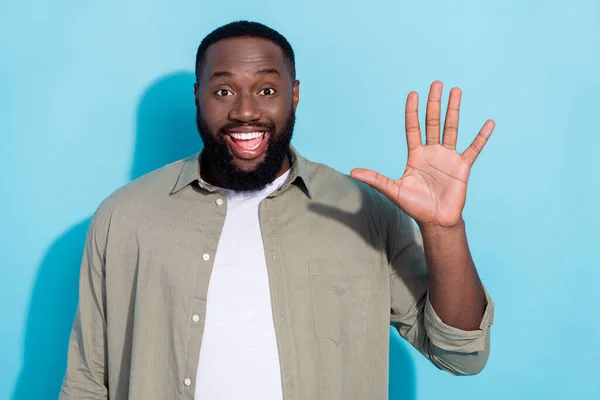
{"points": [[246, 100]]}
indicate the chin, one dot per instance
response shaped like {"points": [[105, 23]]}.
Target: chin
{"points": [[248, 165]]}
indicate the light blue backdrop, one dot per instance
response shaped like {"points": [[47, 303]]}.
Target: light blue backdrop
{"points": [[95, 93]]}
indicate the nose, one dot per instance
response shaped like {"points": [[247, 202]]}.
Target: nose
{"points": [[245, 109]]}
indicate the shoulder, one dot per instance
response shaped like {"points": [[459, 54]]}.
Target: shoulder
{"points": [[145, 193], [330, 185]]}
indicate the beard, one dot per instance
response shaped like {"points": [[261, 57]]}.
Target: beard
{"points": [[219, 158]]}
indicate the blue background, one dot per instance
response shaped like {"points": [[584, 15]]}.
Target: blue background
{"points": [[96, 93]]}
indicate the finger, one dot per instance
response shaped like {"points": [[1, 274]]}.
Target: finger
{"points": [[432, 115], [380, 182], [471, 153], [451, 123], [413, 130]]}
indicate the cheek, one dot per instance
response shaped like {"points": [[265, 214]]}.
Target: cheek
{"points": [[279, 111], [215, 114]]}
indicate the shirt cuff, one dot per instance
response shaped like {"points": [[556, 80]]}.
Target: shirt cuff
{"points": [[453, 339]]}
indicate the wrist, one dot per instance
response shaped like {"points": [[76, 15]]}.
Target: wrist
{"points": [[430, 229]]}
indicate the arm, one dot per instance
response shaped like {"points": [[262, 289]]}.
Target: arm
{"points": [[455, 291], [450, 348], [86, 375], [448, 314]]}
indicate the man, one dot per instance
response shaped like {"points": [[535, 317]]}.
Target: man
{"points": [[250, 272]]}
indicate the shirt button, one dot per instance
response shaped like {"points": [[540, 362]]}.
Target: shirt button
{"points": [[206, 257], [187, 381], [195, 318], [219, 202]]}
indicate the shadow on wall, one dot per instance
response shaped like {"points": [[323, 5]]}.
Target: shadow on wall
{"points": [[165, 132], [402, 384]]}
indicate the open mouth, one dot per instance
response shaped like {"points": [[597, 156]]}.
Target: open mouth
{"points": [[247, 144]]}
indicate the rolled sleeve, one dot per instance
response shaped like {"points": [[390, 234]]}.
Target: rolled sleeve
{"points": [[449, 338]]}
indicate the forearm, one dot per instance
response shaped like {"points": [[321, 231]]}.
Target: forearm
{"points": [[455, 291]]}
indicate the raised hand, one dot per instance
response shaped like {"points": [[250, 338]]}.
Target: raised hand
{"points": [[433, 189]]}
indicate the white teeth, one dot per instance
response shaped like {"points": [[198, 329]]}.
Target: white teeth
{"points": [[246, 136]]}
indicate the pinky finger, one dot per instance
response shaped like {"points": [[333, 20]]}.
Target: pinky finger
{"points": [[471, 153]]}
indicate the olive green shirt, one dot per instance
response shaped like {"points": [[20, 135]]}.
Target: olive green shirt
{"points": [[343, 264]]}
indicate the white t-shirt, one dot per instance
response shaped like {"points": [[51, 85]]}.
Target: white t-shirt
{"points": [[239, 357]]}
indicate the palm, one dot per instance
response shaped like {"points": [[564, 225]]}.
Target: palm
{"points": [[433, 188]]}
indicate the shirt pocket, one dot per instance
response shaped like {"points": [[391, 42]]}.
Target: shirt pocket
{"points": [[340, 292]]}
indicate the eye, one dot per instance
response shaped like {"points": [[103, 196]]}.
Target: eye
{"points": [[223, 93], [267, 92]]}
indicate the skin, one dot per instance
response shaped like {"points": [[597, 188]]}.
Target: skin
{"points": [[245, 81], [433, 192], [235, 87]]}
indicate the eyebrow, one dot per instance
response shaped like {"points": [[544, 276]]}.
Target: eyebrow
{"points": [[227, 74], [267, 71], [221, 74]]}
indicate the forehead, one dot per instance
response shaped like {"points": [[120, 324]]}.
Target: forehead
{"points": [[243, 55]]}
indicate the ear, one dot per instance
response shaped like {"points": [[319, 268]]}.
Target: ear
{"points": [[296, 94], [196, 94]]}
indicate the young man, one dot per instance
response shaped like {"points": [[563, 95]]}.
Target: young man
{"points": [[249, 272]]}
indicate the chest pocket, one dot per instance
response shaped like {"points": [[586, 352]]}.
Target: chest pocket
{"points": [[340, 291]]}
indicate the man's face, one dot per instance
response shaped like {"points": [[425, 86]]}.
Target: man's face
{"points": [[246, 101]]}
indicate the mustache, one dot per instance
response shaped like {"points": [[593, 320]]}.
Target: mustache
{"points": [[234, 125]]}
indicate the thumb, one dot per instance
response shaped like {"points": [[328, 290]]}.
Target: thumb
{"points": [[378, 181]]}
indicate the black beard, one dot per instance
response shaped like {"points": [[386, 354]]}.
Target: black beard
{"points": [[221, 161]]}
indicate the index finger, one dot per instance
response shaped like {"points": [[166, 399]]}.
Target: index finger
{"points": [[413, 130]]}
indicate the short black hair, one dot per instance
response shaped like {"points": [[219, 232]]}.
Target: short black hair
{"points": [[245, 29]]}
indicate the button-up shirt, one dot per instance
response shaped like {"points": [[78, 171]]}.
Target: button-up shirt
{"points": [[343, 264]]}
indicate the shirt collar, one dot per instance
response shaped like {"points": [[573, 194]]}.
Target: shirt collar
{"points": [[191, 172]]}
